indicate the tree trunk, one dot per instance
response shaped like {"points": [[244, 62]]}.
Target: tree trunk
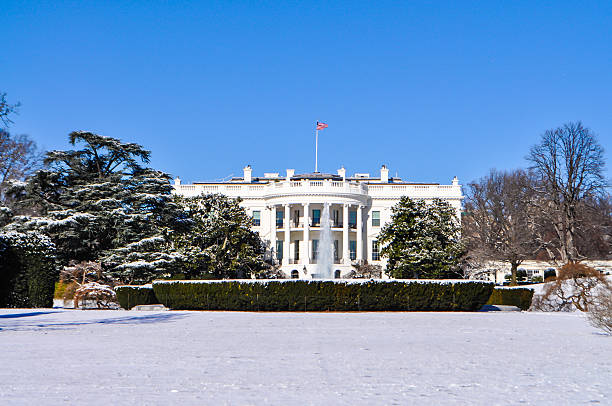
{"points": [[513, 268]]}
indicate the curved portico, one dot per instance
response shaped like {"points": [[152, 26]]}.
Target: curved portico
{"points": [[295, 209]]}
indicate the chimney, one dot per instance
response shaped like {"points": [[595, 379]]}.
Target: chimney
{"points": [[290, 173], [247, 174], [342, 172], [177, 181], [384, 174], [455, 181]]}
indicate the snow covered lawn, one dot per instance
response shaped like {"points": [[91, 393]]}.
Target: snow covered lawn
{"points": [[119, 357]]}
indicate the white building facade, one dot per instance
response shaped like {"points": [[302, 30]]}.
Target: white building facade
{"points": [[287, 209]]}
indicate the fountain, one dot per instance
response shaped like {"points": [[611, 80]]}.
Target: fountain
{"points": [[325, 250]]}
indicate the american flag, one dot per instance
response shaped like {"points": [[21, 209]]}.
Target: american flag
{"points": [[321, 126]]}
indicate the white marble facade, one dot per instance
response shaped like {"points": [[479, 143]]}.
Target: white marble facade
{"points": [[286, 212]]}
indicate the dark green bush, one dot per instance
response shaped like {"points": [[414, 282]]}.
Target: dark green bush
{"points": [[519, 297], [304, 295], [129, 296], [550, 273], [28, 270]]}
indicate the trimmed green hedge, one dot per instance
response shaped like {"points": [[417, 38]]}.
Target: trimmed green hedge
{"points": [[129, 296], [28, 270], [304, 295], [519, 297]]}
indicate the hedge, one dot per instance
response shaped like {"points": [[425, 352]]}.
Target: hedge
{"points": [[322, 295], [129, 296], [519, 297], [28, 270]]}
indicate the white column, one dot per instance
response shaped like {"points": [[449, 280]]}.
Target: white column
{"points": [[345, 234], [305, 254], [359, 233], [273, 231], [287, 242]]}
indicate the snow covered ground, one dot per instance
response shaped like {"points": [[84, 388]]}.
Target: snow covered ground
{"points": [[193, 358]]}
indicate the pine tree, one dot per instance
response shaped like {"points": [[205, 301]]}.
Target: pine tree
{"points": [[421, 240], [219, 242]]}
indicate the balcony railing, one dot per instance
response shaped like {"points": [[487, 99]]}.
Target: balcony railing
{"points": [[316, 261], [303, 186], [281, 224]]}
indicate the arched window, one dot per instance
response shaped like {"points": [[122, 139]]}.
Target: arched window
{"points": [[337, 274], [295, 274]]}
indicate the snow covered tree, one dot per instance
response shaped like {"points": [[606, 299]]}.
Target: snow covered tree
{"points": [[148, 217], [100, 203], [28, 270], [421, 240], [219, 242]]}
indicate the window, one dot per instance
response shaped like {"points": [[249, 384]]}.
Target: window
{"points": [[353, 250], [279, 218], [375, 251], [352, 218], [295, 274], [375, 219], [335, 250], [337, 274], [279, 250], [316, 217], [256, 218], [315, 249], [296, 249]]}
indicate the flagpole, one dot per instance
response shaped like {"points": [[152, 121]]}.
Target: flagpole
{"points": [[317, 151]]}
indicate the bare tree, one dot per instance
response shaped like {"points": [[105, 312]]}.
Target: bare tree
{"points": [[496, 225], [569, 165], [594, 230], [6, 110], [19, 158]]}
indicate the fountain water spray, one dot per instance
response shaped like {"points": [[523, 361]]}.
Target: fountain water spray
{"points": [[325, 250]]}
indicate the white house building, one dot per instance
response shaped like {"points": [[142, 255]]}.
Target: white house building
{"points": [[286, 212]]}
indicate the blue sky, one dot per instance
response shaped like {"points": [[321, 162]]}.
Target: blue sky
{"points": [[432, 89]]}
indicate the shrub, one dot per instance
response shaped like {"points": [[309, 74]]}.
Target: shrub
{"points": [[600, 312], [303, 295], [519, 297], [70, 290], [129, 296], [576, 287], [28, 270], [550, 274], [60, 288], [103, 296]]}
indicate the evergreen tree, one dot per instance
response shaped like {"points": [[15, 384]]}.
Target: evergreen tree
{"points": [[421, 240], [28, 270], [100, 203], [219, 242]]}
